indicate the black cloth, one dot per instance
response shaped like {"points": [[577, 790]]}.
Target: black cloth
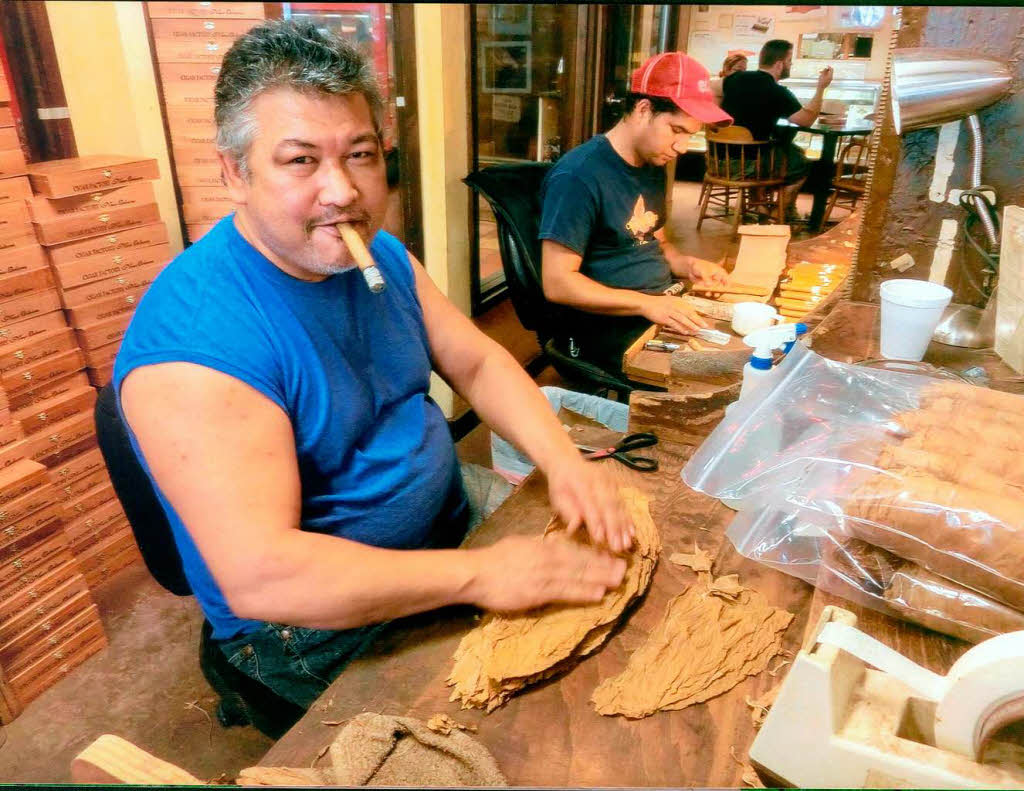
{"points": [[756, 101]]}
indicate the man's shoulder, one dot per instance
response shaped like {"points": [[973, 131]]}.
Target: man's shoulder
{"points": [[580, 160], [747, 81]]}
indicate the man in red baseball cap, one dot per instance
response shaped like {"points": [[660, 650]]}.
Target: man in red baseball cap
{"points": [[605, 257]]}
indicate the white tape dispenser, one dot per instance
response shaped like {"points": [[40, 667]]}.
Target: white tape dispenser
{"points": [[837, 722]]}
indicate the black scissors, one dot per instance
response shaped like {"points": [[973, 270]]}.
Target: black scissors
{"points": [[619, 452]]}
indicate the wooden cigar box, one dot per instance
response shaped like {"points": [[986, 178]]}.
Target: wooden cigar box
{"points": [[26, 597], [205, 204], [26, 561], [59, 437], [197, 232], [165, 9], [39, 374], [191, 119], [70, 493], [12, 163], [110, 265], [195, 134], [197, 155], [103, 550], [196, 176], [45, 606], [19, 510], [117, 525], [188, 83], [77, 466], [6, 116], [55, 387], [8, 134], [16, 245], [36, 349], [104, 518], [29, 524], [61, 178], [93, 223], [5, 92], [200, 50], [46, 633], [41, 416], [100, 377], [21, 478], [10, 433], [109, 244], [22, 331], [29, 306], [106, 308], [44, 209], [100, 574], [101, 356], [21, 283], [110, 287], [40, 676], [14, 220], [103, 332], [16, 189], [21, 259], [88, 500], [14, 452]]}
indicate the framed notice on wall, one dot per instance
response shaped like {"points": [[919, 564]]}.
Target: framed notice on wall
{"points": [[506, 66]]}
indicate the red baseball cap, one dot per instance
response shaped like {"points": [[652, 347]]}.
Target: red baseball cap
{"points": [[677, 76]]}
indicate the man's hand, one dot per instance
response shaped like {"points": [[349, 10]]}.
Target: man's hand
{"points": [[673, 313], [708, 273], [825, 78], [582, 493], [519, 573]]}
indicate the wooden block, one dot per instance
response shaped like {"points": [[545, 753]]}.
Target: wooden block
{"points": [[762, 255], [44, 210], [76, 467], [39, 374], [100, 493], [107, 288], [6, 116], [21, 283], [106, 308], [674, 417], [199, 176], [85, 224], [14, 220], [112, 760], [101, 356], [82, 175], [102, 376], [25, 597], [12, 161], [15, 189], [21, 331], [60, 437], [103, 332], [40, 347], [205, 204], [188, 83], [41, 416], [45, 605], [29, 306], [37, 683], [22, 258], [20, 478], [55, 387], [116, 244], [691, 372], [164, 9]]}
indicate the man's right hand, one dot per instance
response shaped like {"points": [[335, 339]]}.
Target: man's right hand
{"points": [[674, 314], [520, 572], [825, 78]]}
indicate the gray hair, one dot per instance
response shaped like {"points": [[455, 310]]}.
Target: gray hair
{"points": [[283, 53]]}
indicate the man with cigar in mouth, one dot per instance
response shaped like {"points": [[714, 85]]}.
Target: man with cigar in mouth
{"points": [[282, 412]]}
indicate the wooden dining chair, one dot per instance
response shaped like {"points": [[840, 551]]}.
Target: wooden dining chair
{"points": [[742, 176], [849, 183]]}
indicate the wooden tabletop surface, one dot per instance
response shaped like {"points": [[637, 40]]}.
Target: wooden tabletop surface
{"points": [[549, 734]]}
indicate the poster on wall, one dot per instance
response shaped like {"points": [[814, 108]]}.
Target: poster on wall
{"points": [[753, 25], [511, 19], [506, 66], [800, 13], [506, 108]]}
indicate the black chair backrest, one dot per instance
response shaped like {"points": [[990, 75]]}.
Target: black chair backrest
{"points": [[513, 191], [145, 514]]}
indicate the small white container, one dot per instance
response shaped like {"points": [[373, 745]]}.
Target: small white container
{"points": [[748, 317], [911, 310]]}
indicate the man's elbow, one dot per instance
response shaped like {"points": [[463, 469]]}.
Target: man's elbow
{"points": [[554, 290]]}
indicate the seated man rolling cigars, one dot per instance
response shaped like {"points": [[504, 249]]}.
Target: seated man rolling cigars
{"points": [[281, 408], [605, 255]]}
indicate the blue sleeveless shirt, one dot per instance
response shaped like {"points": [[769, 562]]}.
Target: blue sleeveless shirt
{"points": [[351, 369]]}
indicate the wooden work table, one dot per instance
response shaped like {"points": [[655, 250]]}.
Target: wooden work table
{"points": [[550, 735]]}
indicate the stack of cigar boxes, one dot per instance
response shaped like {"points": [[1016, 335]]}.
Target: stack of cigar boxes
{"points": [[99, 221], [190, 40]]}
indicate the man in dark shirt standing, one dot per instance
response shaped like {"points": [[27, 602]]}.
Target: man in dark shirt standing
{"points": [[756, 101], [605, 257]]}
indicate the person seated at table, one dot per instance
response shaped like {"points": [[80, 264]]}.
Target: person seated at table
{"points": [[605, 255], [757, 101], [735, 61], [282, 412]]}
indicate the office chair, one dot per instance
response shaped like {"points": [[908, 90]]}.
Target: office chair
{"points": [[513, 192], [243, 700]]}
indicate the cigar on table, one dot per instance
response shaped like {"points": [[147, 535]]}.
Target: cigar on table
{"points": [[371, 274]]}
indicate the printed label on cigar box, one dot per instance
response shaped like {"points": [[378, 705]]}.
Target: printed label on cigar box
{"points": [[21, 259], [103, 332], [12, 162], [45, 605], [8, 134], [191, 118], [14, 220], [29, 305], [206, 50], [200, 29], [188, 83], [60, 436], [44, 209], [103, 515], [39, 374], [75, 467], [123, 554], [39, 590], [205, 204], [197, 155], [118, 526], [110, 265], [102, 356], [21, 283], [51, 389], [21, 331], [41, 416], [106, 308], [116, 243], [18, 511], [28, 523], [72, 490], [20, 555], [104, 221], [39, 348], [210, 10], [195, 176], [81, 175], [88, 500], [110, 287], [46, 634], [16, 189], [197, 135], [21, 477], [20, 572]]}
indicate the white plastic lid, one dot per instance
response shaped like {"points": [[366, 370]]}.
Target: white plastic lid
{"points": [[916, 293]]}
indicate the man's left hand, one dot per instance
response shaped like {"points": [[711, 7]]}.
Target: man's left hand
{"points": [[584, 493], [708, 273]]}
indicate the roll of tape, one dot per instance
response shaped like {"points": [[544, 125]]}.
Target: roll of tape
{"points": [[983, 691]]}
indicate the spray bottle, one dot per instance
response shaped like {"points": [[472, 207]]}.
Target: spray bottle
{"points": [[764, 343]]}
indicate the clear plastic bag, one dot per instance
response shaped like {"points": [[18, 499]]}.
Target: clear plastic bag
{"points": [[929, 471]]}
